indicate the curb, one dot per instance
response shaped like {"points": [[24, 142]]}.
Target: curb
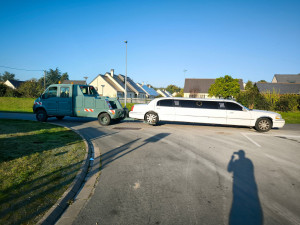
{"points": [[67, 198]]}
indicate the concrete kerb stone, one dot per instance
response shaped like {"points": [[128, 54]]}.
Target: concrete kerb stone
{"points": [[67, 198]]}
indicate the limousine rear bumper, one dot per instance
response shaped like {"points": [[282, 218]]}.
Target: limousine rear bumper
{"points": [[278, 123]]}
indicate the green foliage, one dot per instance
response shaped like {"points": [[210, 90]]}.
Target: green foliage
{"points": [[7, 76], [225, 87], [173, 88], [249, 85], [262, 81], [253, 99], [3, 89], [181, 93], [31, 89], [272, 98], [53, 77], [288, 102], [12, 92]]}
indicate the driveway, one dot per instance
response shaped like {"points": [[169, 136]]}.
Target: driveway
{"points": [[178, 173]]}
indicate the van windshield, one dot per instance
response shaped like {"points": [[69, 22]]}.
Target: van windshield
{"points": [[88, 90]]}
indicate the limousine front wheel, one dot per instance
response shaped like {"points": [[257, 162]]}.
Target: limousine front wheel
{"points": [[151, 118], [263, 125]]}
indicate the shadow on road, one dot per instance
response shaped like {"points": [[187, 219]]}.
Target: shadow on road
{"points": [[246, 208], [114, 154]]}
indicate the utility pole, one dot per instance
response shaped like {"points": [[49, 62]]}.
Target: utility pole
{"points": [[126, 76]]}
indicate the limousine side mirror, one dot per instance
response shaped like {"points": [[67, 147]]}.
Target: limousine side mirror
{"points": [[245, 110]]}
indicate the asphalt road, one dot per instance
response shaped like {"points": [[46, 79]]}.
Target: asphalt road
{"points": [[178, 173]]}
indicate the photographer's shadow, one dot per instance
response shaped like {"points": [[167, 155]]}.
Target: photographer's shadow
{"points": [[246, 208]]}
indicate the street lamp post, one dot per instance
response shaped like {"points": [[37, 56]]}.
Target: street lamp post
{"points": [[126, 76], [85, 79]]}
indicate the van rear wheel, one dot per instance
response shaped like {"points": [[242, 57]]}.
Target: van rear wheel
{"points": [[104, 119], [41, 115]]}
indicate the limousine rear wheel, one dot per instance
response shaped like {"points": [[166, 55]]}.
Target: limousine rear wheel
{"points": [[263, 125], [151, 118]]}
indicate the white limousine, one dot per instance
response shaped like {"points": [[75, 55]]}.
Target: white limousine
{"points": [[209, 111]]}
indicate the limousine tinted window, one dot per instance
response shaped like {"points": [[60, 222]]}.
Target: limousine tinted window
{"points": [[168, 103], [233, 106], [199, 104]]}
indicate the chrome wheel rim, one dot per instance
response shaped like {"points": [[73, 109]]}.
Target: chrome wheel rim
{"points": [[263, 125], [151, 118]]}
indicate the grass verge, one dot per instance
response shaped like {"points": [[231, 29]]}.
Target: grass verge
{"points": [[291, 117], [10, 104], [38, 161]]}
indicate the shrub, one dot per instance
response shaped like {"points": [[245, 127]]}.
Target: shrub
{"points": [[287, 102]]}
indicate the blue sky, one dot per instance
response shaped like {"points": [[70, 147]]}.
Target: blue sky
{"points": [[251, 40]]}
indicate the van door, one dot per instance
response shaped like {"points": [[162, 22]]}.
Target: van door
{"points": [[65, 102], [50, 101], [237, 115], [165, 110]]}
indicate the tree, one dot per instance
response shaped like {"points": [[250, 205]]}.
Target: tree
{"points": [[173, 88], [262, 81], [181, 93], [225, 87], [53, 77], [64, 76], [7, 76], [249, 85], [31, 89], [3, 89]]}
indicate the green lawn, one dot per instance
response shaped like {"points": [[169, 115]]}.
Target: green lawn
{"points": [[291, 117], [10, 104], [38, 161]]}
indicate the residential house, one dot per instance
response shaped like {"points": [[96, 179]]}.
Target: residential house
{"points": [[14, 84], [286, 78], [150, 92], [198, 88], [281, 88], [82, 82], [113, 85], [164, 93]]}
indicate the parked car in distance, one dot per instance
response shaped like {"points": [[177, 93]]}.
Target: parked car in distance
{"points": [[209, 111]]}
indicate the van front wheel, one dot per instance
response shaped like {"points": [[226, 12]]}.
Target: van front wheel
{"points": [[104, 119], [41, 115]]}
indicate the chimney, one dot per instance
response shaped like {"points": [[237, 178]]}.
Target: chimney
{"points": [[112, 72]]}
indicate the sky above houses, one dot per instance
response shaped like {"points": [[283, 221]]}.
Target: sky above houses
{"points": [[168, 40]]}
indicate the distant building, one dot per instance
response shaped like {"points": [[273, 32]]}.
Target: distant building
{"points": [[150, 92], [164, 93], [14, 84], [113, 85], [286, 78], [281, 88], [198, 88]]}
